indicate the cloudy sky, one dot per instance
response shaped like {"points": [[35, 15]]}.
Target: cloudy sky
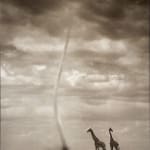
{"points": [[105, 77]]}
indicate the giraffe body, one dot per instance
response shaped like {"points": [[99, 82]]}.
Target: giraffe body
{"points": [[98, 144], [113, 143]]}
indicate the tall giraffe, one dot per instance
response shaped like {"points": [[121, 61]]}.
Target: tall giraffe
{"points": [[113, 143], [97, 142]]}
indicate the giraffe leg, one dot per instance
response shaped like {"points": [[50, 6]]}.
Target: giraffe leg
{"points": [[117, 147], [111, 147], [95, 147], [104, 148]]}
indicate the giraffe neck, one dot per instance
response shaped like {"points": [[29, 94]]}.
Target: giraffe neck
{"points": [[110, 135], [93, 135]]}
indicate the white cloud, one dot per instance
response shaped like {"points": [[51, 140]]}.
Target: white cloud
{"points": [[73, 77], [96, 81], [103, 45], [98, 77], [32, 44], [111, 81], [8, 77], [3, 73], [39, 67]]}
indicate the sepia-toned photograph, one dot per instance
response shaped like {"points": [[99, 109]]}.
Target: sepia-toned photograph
{"points": [[74, 75]]}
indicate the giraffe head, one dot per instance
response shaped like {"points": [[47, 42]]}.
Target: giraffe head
{"points": [[89, 130], [110, 129]]}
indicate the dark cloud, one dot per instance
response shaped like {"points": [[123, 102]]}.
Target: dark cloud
{"points": [[47, 15], [36, 6], [114, 19], [9, 51], [117, 19]]}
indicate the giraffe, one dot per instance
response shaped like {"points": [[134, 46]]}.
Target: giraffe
{"points": [[113, 143], [98, 144]]}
